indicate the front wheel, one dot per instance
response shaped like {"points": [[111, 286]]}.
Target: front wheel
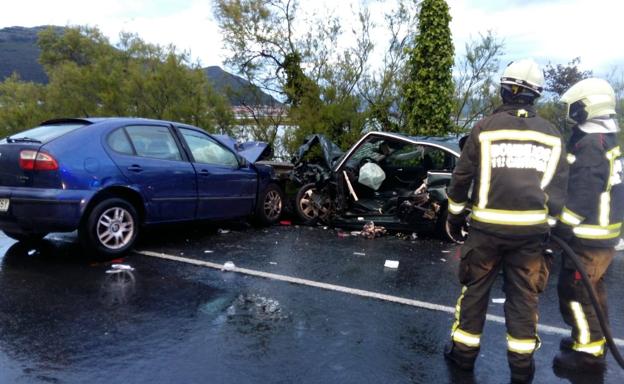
{"points": [[25, 237], [110, 229], [311, 205], [270, 205]]}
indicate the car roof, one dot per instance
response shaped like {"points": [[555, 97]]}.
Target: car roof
{"points": [[95, 120], [449, 142]]}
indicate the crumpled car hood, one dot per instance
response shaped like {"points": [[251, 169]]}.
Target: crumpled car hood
{"points": [[251, 151], [331, 152]]}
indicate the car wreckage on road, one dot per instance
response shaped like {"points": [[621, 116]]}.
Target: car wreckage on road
{"points": [[396, 181]]}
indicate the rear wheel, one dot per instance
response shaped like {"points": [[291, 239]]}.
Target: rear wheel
{"points": [[270, 205], [110, 229], [26, 237]]}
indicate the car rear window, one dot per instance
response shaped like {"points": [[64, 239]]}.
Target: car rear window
{"points": [[45, 133]]}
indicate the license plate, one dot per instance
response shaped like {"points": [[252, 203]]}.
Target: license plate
{"points": [[4, 205]]}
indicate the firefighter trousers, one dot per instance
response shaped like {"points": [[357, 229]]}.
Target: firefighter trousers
{"points": [[525, 271], [574, 304]]}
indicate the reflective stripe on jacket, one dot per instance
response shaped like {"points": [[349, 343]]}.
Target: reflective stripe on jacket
{"points": [[517, 163], [595, 203]]}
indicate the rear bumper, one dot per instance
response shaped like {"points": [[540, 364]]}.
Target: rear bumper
{"points": [[43, 210]]}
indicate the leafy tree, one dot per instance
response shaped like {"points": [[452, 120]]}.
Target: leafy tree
{"points": [[381, 89], [316, 80], [560, 78], [476, 88], [428, 92], [20, 105]]}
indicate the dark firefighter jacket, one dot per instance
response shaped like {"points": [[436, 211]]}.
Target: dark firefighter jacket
{"points": [[595, 202], [516, 162]]}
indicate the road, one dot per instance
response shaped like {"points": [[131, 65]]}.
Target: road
{"points": [[64, 319]]}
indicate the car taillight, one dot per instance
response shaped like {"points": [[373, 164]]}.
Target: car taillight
{"points": [[30, 160]]}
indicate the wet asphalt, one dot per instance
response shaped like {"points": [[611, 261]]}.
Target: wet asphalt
{"points": [[65, 319]]}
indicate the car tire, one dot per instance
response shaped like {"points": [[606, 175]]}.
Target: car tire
{"points": [[26, 237], [270, 205], [306, 210], [110, 229]]}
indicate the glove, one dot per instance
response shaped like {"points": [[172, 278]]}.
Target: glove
{"points": [[456, 228], [563, 231]]}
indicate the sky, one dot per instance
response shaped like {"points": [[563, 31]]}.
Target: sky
{"points": [[550, 31]]}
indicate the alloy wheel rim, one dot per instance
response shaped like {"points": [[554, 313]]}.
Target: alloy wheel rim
{"points": [[272, 205], [115, 228], [309, 209]]}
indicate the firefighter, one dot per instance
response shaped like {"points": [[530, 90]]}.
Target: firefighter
{"points": [[514, 163], [591, 219]]}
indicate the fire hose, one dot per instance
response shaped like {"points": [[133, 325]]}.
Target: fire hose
{"points": [[593, 297]]}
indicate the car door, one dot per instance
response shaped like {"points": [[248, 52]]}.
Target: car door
{"points": [[150, 157], [226, 189]]}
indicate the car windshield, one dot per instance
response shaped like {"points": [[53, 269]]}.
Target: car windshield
{"points": [[44, 133]]}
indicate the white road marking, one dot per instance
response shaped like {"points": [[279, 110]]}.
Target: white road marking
{"points": [[351, 291]]}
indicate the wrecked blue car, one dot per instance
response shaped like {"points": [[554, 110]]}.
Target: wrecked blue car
{"points": [[110, 177]]}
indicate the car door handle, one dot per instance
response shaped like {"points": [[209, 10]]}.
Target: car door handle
{"points": [[204, 172], [135, 168]]}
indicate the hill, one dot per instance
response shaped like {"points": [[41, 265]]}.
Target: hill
{"points": [[19, 53]]}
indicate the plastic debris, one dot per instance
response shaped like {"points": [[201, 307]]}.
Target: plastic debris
{"points": [[370, 231], [360, 218], [446, 251], [229, 266], [285, 222], [325, 227], [208, 251], [356, 233], [414, 236], [359, 253], [620, 246], [122, 267], [223, 231], [32, 252], [343, 234], [272, 263], [499, 300], [394, 264], [442, 259]]}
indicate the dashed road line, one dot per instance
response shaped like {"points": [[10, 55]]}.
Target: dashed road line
{"points": [[339, 288]]}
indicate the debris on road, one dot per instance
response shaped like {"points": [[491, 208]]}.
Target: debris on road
{"points": [[343, 234], [359, 253], [32, 252], [394, 264], [446, 251], [499, 300], [229, 266], [223, 231], [620, 246], [272, 263], [370, 231], [208, 251], [285, 222], [356, 233], [442, 259]]}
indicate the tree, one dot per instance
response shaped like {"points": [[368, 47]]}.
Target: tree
{"points": [[428, 92], [476, 89], [316, 80], [561, 77], [381, 88], [20, 105]]}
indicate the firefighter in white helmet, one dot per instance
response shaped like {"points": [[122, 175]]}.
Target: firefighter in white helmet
{"points": [[515, 162], [591, 219]]}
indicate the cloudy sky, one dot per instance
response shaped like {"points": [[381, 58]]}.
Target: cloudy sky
{"points": [[548, 30]]}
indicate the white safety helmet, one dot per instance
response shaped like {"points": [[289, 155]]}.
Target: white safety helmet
{"points": [[524, 73], [589, 98]]}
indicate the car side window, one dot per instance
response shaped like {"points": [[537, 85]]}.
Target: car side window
{"points": [[154, 141], [206, 150], [118, 141]]}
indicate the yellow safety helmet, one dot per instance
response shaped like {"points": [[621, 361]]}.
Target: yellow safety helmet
{"points": [[524, 73], [589, 98]]}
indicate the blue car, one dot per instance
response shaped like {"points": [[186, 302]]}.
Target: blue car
{"points": [[109, 177]]}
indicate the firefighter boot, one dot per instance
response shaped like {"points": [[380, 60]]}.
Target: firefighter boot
{"points": [[452, 355], [579, 362], [523, 375]]}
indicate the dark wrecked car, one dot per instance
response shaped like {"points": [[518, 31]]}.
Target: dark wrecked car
{"points": [[396, 181]]}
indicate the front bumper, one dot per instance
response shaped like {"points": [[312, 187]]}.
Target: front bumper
{"points": [[43, 210]]}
